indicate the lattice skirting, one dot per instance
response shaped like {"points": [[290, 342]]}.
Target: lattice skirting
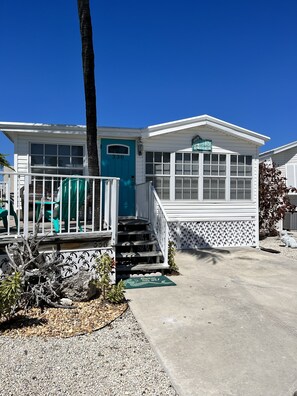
{"points": [[202, 234], [73, 260]]}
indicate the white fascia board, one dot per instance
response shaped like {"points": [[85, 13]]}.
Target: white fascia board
{"points": [[12, 128], [279, 149], [241, 133], [20, 127], [215, 123], [124, 133]]}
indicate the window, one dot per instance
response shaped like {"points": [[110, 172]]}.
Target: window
{"points": [[241, 177], [186, 175], [200, 176], [57, 159], [157, 170], [117, 149], [291, 175], [214, 176]]}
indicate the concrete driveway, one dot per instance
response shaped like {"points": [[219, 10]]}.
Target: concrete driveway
{"points": [[229, 327]]}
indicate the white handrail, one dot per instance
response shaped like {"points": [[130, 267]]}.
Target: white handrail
{"points": [[66, 204], [149, 206]]}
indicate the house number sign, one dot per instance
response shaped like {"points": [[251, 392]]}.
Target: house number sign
{"points": [[199, 144]]}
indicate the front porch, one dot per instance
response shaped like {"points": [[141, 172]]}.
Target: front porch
{"points": [[62, 206], [78, 214]]}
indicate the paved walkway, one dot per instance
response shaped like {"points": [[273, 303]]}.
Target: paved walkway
{"points": [[229, 327]]}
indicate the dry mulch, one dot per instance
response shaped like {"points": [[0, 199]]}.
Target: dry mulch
{"points": [[85, 318]]}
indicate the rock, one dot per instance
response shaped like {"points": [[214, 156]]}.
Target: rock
{"points": [[79, 287], [66, 301]]}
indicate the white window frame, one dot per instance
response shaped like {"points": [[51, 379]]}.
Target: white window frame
{"points": [[201, 176], [160, 175], [47, 167], [217, 177], [241, 177], [186, 176]]}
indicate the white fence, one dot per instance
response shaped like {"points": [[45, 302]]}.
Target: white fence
{"points": [[58, 204], [149, 207]]}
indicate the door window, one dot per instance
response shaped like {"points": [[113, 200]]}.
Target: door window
{"points": [[118, 149]]}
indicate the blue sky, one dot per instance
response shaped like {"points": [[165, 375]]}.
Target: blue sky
{"points": [[156, 61]]}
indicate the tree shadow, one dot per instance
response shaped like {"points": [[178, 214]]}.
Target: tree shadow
{"points": [[21, 321], [195, 244], [209, 255]]}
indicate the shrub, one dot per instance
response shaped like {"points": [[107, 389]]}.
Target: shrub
{"points": [[116, 293], [10, 293], [171, 257], [273, 198], [112, 293]]}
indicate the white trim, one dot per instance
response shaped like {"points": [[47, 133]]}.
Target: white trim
{"points": [[12, 128], [278, 149], [204, 120]]}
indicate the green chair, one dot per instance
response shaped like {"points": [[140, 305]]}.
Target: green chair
{"points": [[4, 215], [67, 203]]}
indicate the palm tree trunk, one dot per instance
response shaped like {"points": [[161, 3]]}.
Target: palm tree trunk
{"points": [[89, 84], [90, 98]]}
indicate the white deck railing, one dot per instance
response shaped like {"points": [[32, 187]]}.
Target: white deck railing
{"points": [[149, 207], [57, 204]]}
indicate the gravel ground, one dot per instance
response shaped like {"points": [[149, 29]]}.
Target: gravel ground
{"points": [[276, 244], [116, 360]]}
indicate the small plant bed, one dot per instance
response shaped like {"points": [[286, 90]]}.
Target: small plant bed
{"points": [[85, 318], [35, 299]]}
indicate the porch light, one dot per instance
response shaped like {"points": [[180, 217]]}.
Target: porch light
{"points": [[139, 146]]}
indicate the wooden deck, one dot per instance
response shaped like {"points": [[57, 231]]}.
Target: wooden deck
{"points": [[60, 241]]}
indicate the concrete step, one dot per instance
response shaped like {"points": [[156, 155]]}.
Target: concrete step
{"points": [[136, 243], [135, 232], [128, 255], [147, 267], [132, 222]]}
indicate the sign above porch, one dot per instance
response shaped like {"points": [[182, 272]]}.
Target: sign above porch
{"points": [[202, 145]]}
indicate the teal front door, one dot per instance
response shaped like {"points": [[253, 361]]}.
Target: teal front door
{"points": [[118, 160]]}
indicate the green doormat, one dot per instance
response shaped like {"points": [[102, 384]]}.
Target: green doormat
{"points": [[141, 282]]}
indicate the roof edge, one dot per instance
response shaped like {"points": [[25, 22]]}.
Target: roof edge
{"points": [[279, 149]]}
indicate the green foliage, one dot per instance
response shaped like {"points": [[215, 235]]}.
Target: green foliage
{"points": [[103, 270], [273, 198], [112, 293], [4, 162], [171, 257], [10, 293], [116, 293]]}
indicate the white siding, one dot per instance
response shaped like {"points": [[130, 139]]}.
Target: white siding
{"points": [[285, 157], [181, 141], [202, 211]]}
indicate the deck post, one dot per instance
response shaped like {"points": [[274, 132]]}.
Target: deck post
{"points": [[114, 210], [26, 206]]}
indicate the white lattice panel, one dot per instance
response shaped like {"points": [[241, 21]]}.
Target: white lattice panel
{"points": [[193, 234]]}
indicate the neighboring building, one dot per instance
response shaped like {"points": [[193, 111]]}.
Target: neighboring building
{"points": [[205, 171], [285, 158]]}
